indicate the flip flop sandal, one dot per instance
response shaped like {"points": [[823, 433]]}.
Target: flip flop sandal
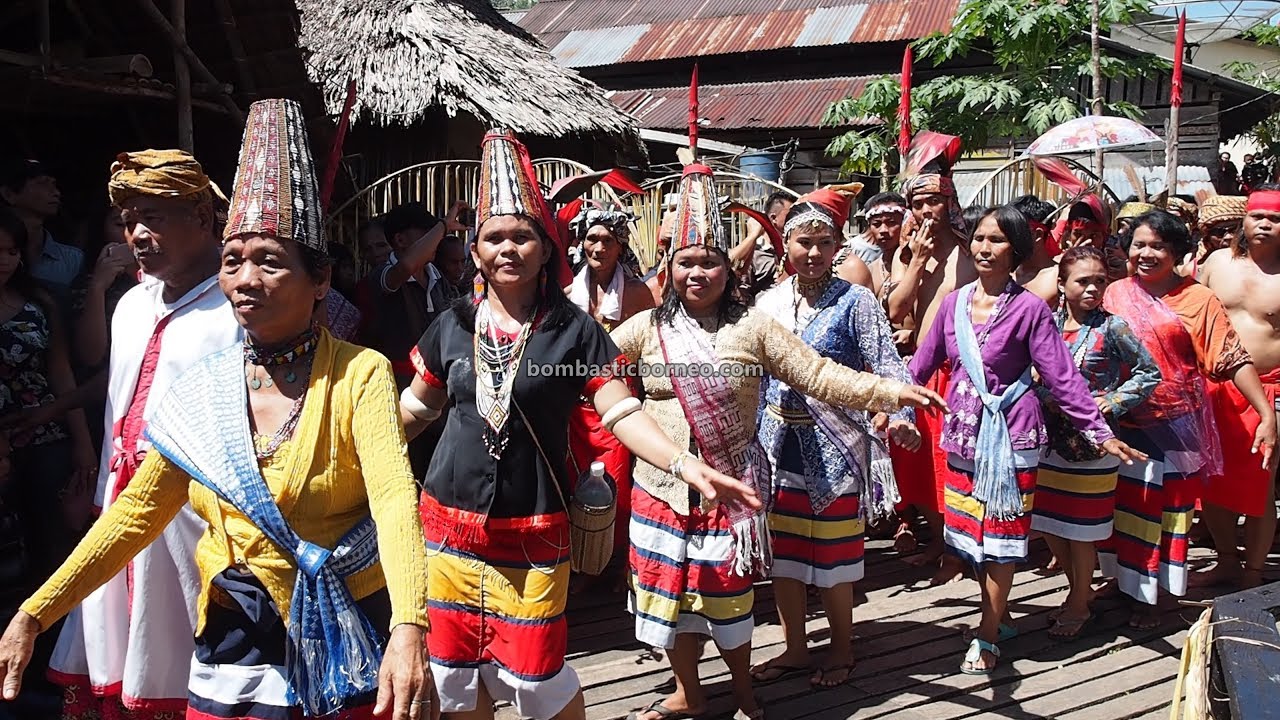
{"points": [[1057, 633], [1003, 633], [664, 713], [783, 672], [974, 656], [822, 684]]}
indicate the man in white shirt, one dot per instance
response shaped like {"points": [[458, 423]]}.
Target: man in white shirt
{"points": [[131, 642]]}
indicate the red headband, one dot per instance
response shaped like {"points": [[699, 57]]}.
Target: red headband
{"points": [[1265, 200], [1035, 225]]}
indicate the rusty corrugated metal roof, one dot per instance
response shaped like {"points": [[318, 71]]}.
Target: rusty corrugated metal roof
{"points": [[782, 104], [584, 33], [590, 33]]}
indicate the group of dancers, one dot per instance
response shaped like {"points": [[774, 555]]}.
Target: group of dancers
{"points": [[324, 585]]}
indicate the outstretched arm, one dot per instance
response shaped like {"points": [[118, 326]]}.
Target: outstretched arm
{"points": [[154, 496], [621, 415]]}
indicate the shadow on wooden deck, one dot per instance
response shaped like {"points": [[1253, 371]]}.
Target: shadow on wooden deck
{"points": [[909, 646]]}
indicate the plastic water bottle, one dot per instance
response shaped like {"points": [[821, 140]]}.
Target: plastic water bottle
{"points": [[595, 488]]}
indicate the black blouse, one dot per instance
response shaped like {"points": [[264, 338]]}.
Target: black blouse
{"points": [[462, 475]]}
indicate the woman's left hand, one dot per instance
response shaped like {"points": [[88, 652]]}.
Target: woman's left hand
{"points": [[1265, 439], [904, 435], [404, 680], [1119, 449]]}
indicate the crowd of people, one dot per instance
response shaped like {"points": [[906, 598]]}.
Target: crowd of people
{"points": [[329, 493]]}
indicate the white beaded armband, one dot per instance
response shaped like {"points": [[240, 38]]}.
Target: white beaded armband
{"points": [[620, 409], [416, 407]]}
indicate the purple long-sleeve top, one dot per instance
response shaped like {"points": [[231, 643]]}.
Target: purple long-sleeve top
{"points": [[1024, 334]]}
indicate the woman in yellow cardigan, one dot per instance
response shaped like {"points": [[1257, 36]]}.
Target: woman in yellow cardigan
{"points": [[303, 493]]}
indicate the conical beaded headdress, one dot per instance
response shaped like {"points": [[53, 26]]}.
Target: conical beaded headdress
{"points": [[276, 192]]}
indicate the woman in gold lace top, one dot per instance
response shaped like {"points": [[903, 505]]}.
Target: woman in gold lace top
{"points": [[702, 356]]}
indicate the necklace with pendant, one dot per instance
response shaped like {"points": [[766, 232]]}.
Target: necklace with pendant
{"points": [[809, 290], [258, 356]]}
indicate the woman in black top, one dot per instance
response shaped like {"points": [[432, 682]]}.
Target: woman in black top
{"points": [[514, 364]]}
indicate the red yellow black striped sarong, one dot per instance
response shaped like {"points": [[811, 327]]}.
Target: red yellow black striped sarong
{"points": [[681, 578], [970, 533], [497, 600], [823, 549], [1154, 507], [1075, 500]]}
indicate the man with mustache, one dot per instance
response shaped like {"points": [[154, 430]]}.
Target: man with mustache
{"points": [[131, 642], [1246, 278], [933, 262]]}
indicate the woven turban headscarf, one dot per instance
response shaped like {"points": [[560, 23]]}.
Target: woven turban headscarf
{"points": [[158, 173]]}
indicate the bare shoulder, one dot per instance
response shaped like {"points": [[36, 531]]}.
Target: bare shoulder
{"points": [[855, 271], [1218, 260], [636, 296]]}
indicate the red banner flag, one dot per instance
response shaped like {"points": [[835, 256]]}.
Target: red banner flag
{"points": [[335, 153], [693, 112], [1179, 50], [904, 105]]}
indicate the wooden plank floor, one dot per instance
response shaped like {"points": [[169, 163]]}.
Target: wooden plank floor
{"points": [[909, 645]]}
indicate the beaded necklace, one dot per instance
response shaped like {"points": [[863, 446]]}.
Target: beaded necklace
{"points": [[258, 356], [809, 290], [268, 447], [1080, 348]]}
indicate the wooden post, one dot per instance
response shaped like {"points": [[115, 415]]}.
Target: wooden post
{"points": [[46, 38], [180, 44], [1175, 108], [1095, 60], [182, 80]]}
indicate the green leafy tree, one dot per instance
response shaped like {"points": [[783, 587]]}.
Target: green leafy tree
{"points": [[1265, 134], [1033, 58]]}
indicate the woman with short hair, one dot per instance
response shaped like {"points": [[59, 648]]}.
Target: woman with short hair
{"points": [[995, 332]]}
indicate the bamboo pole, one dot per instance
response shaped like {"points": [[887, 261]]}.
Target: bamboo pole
{"points": [[196, 64], [182, 80]]}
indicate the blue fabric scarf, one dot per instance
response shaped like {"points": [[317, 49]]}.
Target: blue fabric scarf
{"points": [[995, 481], [202, 425]]}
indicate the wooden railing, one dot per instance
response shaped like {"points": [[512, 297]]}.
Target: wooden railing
{"points": [[440, 183], [1019, 177], [437, 184], [649, 207]]}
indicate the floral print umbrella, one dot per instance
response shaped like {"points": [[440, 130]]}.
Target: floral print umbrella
{"points": [[1090, 133]]}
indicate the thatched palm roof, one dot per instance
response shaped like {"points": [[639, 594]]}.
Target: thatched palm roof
{"points": [[410, 55]]}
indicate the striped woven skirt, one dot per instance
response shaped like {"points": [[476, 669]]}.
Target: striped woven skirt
{"points": [[497, 599], [970, 532], [820, 549], [1076, 500], [681, 577], [238, 671], [1154, 508]]}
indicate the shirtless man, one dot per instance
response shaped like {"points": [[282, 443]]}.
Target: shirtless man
{"points": [[1038, 273], [934, 262], [1246, 278], [870, 262]]}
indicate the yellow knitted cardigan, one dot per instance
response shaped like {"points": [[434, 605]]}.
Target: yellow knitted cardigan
{"points": [[346, 459]]}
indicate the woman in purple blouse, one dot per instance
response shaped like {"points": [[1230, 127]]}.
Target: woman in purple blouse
{"points": [[994, 332]]}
